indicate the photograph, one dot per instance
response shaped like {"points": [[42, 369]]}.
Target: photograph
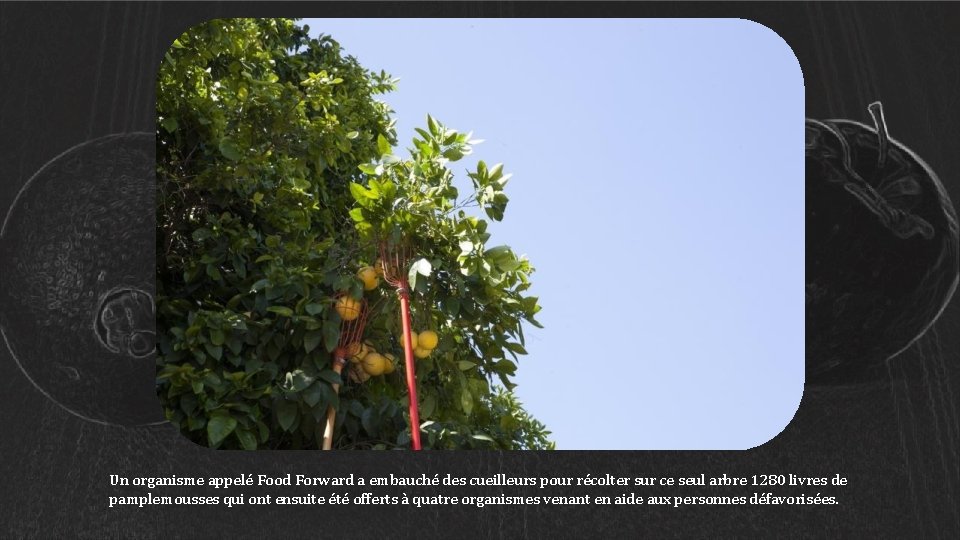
{"points": [[357, 232]]}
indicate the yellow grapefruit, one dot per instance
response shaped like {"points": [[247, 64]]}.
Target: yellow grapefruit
{"points": [[427, 340], [369, 278], [413, 339], [374, 363], [358, 350], [391, 363], [421, 353], [348, 308]]}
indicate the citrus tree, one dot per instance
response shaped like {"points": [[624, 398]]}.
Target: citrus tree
{"points": [[276, 177]]}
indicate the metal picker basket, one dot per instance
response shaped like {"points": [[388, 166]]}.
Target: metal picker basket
{"points": [[354, 317], [351, 330], [395, 261]]}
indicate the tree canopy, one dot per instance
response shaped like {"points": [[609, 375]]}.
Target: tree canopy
{"points": [[277, 175]]}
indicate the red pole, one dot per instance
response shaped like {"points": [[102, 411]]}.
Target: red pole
{"points": [[411, 376]]}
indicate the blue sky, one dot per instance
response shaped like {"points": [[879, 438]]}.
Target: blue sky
{"points": [[658, 190]]}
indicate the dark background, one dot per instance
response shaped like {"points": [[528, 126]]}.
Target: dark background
{"points": [[73, 72]]}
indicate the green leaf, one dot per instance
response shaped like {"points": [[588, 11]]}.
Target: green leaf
{"points": [[483, 437], [331, 334], [170, 124], [215, 351], [509, 265], [496, 172], [356, 214], [287, 414], [369, 421], [383, 145], [360, 193], [314, 309], [228, 147], [517, 348], [281, 310], [217, 337], [312, 394], [219, 427], [466, 365], [507, 367], [428, 406], [188, 403], [355, 408], [330, 376], [201, 234], [453, 154], [330, 397], [260, 285], [235, 345], [466, 402], [312, 339], [195, 423], [499, 253], [213, 272], [248, 441]]}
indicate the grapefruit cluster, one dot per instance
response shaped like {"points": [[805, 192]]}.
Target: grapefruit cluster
{"points": [[423, 342], [365, 359], [367, 362]]}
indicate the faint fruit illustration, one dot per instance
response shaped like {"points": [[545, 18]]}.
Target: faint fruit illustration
{"points": [[881, 248], [77, 279], [125, 323]]}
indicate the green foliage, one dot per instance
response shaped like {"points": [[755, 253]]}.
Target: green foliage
{"points": [[266, 139], [471, 294]]}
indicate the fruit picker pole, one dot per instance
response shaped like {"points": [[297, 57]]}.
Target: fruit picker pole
{"points": [[394, 260], [403, 291]]}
